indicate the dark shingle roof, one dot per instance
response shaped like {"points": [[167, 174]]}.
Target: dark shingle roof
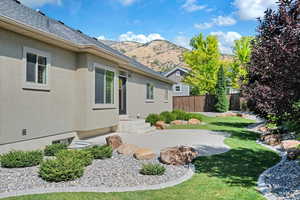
{"points": [[16, 11]]}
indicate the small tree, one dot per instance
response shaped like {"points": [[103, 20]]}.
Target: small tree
{"points": [[222, 104], [203, 61]]}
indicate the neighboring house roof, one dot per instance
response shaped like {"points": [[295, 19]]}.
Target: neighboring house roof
{"points": [[185, 70], [14, 10]]}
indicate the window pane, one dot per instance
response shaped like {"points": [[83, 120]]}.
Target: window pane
{"points": [[30, 67], [148, 91], [110, 87], [166, 94], [99, 86], [152, 92], [42, 60]]}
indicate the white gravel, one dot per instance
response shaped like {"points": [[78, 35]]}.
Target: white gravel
{"points": [[119, 171]]}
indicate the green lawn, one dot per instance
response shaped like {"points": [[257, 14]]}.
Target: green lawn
{"points": [[228, 176]]}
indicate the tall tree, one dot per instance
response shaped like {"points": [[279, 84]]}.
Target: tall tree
{"points": [[274, 71], [242, 52], [204, 63], [222, 104]]}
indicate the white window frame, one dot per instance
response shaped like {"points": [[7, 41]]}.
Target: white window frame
{"points": [[105, 105], [166, 95], [177, 73], [147, 99], [178, 85], [36, 85]]}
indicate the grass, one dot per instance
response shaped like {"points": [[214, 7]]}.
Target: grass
{"points": [[228, 176]]}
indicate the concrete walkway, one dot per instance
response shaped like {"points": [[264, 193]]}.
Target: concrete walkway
{"points": [[206, 142]]}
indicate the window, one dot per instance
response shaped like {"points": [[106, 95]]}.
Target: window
{"points": [[178, 73], [150, 91], [104, 86], [166, 94], [177, 88]]}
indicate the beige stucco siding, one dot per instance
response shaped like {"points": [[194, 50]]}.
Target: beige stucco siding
{"points": [[137, 102]]}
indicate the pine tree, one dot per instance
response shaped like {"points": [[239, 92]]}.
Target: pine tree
{"points": [[222, 104]]}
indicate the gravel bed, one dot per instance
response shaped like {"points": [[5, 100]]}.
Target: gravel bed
{"points": [[119, 171], [284, 180]]}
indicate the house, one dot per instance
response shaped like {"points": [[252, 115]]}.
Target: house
{"points": [[57, 83], [177, 75]]}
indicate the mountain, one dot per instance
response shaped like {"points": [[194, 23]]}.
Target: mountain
{"points": [[160, 55]]}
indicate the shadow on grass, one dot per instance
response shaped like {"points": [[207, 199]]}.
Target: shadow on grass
{"points": [[232, 124], [238, 167], [241, 134]]}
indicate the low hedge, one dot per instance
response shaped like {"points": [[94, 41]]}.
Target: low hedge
{"points": [[52, 149], [61, 169], [153, 118], [153, 170], [85, 157], [100, 152], [19, 159], [168, 117]]}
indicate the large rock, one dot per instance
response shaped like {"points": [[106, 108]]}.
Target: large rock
{"points": [[178, 155], [127, 149], [271, 139], [161, 125], [144, 154], [194, 122], [263, 129], [293, 154], [179, 122], [290, 144], [114, 141]]}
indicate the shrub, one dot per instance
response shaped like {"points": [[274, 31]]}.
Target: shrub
{"points": [[52, 149], [194, 116], [85, 157], [168, 117], [153, 169], [153, 118], [222, 104], [18, 159], [180, 115], [100, 152], [61, 169]]}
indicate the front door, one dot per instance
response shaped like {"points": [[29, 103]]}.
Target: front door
{"points": [[122, 96]]}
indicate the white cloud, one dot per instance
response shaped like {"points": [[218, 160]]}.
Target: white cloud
{"points": [[39, 3], [101, 37], [127, 2], [182, 41], [218, 21], [192, 6], [252, 9], [130, 36], [226, 40]]}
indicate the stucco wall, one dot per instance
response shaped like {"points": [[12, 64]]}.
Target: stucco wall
{"points": [[136, 96]]}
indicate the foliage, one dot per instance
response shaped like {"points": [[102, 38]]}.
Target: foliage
{"points": [[52, 149], [242, 52], [168, 117], [274, 71], [61, 169], [153, 118], [222, 104], [19, 159], [100, 152], [180, 114], [203, 61], [85, 157], [153, 169]]}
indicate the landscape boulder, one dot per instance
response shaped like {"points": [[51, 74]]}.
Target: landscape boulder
{"points": [[178, 155], [263, 129], [161, 125], [271, 139], [179, 122], [127, 149], [289, 144], [194, 122], [144, 154], [293, 154], [114, 141]]}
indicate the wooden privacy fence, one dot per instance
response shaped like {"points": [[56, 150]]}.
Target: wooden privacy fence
{"points": [[203, 103]]}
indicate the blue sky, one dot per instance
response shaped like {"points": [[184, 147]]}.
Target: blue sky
{"points": [[144, 20]]}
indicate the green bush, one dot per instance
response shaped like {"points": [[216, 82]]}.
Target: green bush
{"points": [[168, 117], [100, 152], [153, 118], [52, 149], [153, 169], [194, 116], [85, 157], [180, 115], [18, 159], [61, 169], [222, 104]]}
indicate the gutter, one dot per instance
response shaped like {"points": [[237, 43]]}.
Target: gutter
{"points": [[29, 31]]}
